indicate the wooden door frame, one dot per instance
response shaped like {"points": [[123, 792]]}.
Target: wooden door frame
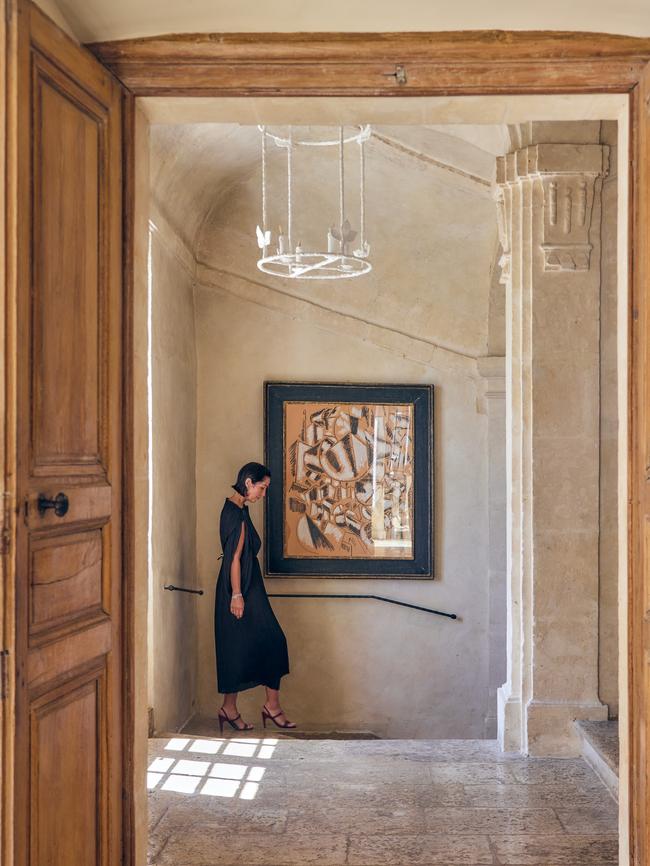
{"points": [[445, 64], [7, 445], [472, 63], [479, 63]]}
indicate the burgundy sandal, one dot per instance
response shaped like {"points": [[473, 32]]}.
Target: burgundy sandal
{"points": [[224, 718], [267, 715]]}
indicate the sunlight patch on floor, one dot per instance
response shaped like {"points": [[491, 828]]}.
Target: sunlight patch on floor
{"points": [[184, 775]]}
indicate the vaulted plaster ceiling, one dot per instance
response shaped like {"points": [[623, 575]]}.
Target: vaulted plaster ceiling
{"points": [[429, 199], [195, 167], [94, 20]]}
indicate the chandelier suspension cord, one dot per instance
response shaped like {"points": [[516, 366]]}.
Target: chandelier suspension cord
{"points": [[362, 195], [264, 183], [289, 185], [341, 188]]}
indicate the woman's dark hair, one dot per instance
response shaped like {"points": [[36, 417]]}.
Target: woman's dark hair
{"points": [[255, 471]]}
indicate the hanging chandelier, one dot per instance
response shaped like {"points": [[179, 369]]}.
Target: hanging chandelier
{"points": [[335, 259]]}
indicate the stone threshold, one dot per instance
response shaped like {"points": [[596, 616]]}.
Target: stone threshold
{"points": [[599, 742], [207, 726]]}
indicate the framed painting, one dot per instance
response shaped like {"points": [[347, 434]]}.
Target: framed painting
{"points": [[352, 480]]}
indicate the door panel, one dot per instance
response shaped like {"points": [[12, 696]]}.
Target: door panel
{"points": [[68, 807], [69, 147], [59, 722], [66, 581]]}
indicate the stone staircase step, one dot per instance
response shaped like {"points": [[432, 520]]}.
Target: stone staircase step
{"points": [[599, 741]]}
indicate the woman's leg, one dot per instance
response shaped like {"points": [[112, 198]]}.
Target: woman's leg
{"points": [[229, 707], [273, 705], [230, 704]]}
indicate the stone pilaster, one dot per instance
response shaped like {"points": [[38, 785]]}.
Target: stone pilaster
{"points": [[549, 200], [492, 371]]}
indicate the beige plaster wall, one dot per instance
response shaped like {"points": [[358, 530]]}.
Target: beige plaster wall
{"points": [[121, 19], [173, 459], [54, 10], [355, 664]]}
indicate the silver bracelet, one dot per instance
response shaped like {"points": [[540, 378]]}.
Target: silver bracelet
{"points": [[237, 595]]}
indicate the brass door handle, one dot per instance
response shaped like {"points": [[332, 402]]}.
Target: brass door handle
{"points": [[59, 504]]}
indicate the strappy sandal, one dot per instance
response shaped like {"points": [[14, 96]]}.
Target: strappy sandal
{"points": [[267, 715], [223, 718]]}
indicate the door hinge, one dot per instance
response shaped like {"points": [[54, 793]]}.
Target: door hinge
{"points": [[4, 674]]}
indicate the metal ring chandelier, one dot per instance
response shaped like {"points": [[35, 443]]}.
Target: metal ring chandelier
{"points": [[290, 259]]}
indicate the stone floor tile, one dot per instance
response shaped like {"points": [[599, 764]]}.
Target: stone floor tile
{"points": [[332, 816], [157, 808], [476, 821], [350, 795], [366, 773], [445, 751], [588, 821], [451, 794], [528, 796], [382, 850], [561, 849], [203, 846], [238, 817], [554, 770], [470, 773], [157, 842]]}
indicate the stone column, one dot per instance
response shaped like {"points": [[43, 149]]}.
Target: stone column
{"points": [[549, 204]]}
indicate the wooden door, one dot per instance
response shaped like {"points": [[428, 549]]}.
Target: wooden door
{"points": [[69, 659]]}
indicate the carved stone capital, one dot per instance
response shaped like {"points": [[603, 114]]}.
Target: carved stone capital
{"points": [[569, 174]]}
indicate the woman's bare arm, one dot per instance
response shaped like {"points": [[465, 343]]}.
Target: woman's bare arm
{"points": [[235, 565]]}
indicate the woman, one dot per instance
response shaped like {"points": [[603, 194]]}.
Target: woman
{"points": [[251, 646]]}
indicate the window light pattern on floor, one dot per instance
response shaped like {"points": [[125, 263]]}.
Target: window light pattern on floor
{"points": [[194, 772]]}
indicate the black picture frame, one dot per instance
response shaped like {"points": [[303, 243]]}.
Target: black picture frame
{"points": [[421, 566]]}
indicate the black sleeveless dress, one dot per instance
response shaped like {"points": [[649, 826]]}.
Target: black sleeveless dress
{"points": [[251, 651]]}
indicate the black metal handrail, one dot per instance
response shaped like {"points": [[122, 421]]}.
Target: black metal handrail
{"points": [[172, 588], [375, 597]]}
